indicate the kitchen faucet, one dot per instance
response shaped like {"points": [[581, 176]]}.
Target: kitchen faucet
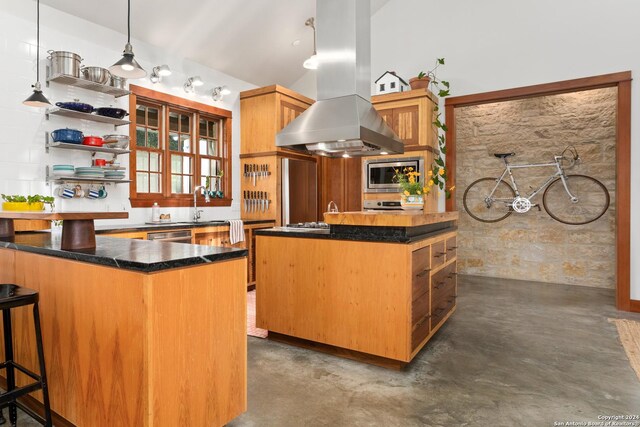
{"points": [[333, 207], [196, 211]]}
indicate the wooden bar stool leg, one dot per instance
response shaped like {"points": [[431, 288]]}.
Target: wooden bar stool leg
{"points": [[43, 373], [8, 353]]}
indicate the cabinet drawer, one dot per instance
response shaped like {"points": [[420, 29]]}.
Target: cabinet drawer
{"points": [[443, 283], [420, 331], [437, 254], [440, 309], [419, 308], [420, 266], [451, 247]]}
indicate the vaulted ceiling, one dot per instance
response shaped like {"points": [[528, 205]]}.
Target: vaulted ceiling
{"points": [[248, 39]]}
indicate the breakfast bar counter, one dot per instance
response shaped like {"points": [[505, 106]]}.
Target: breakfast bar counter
{"points": [[136, 333]]}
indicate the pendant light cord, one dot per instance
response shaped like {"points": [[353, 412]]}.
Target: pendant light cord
{"points": [[38, 43], [128, 21]]}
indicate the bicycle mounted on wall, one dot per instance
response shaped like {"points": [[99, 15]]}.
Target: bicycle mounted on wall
{"points": [[570, 199]]}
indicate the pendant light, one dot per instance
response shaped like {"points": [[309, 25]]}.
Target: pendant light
{"points": [[37, 98], [311, 63], [128, 67]]}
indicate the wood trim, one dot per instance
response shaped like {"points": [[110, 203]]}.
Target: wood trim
{"points": [[635, 306], [178, 102], [623, 197], [178, 203], [289, 154], [621, 80], [605, 80], [450, 156], [338, 351], [275, 88]]}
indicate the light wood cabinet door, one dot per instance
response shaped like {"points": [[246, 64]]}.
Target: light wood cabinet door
{"points": [[406, 124], [288, 112], [220, 238], [341, 183], [387, 116]]}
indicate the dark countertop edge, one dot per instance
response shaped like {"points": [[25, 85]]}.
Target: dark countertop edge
{"points": [[126, 264], [362, 238], [107, 229]]}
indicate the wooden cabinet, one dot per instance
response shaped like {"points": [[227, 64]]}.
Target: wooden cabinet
{"points": [[341, 181], [264, 112], [410, 115], [218, 238], [433, 288]]}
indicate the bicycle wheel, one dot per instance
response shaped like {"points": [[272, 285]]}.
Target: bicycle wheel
{"points": [[484, 206], [590, 203]]}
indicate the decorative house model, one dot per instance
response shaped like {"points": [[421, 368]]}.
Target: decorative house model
{"points": [[389, 82]]}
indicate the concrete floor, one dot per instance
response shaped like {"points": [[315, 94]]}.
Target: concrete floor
{"points": [[514, 354]]}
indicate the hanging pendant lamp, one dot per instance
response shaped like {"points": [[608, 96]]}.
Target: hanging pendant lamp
{"points": [[128, 67], [37, 98], [311, 63]]}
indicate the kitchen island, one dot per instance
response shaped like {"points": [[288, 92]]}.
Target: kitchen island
{"points": [[374, 287], [136, 333]]}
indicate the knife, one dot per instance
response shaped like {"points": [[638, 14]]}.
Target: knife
{"points": [[268, 201], [244, 198], [262, 203], [253, 201], [255, 174], [245, 170], [250, 201]]}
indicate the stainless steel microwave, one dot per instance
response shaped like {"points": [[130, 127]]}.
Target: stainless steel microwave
{"points": [[378, 174]]}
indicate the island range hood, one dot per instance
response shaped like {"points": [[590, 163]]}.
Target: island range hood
{"points": [[342, 122]]}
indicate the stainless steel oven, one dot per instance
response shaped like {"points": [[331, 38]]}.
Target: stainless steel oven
{"points": [[378, 174], [181, 236]]}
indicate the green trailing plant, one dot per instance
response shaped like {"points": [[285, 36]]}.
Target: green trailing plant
{"points": [[438, 172]]}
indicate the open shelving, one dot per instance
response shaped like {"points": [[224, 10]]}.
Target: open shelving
{"points": [[87, 84], [57, 111]]}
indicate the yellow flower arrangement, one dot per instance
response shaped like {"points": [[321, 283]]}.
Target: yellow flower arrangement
{"points": [[409, 181]]}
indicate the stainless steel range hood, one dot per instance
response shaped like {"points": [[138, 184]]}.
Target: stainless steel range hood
{"points": [[342, 122]]}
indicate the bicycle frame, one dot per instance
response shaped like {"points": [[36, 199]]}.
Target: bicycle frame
{"points": [[508, 168]]}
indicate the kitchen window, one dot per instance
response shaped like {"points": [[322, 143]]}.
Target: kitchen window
{"points": [[176, 145]]}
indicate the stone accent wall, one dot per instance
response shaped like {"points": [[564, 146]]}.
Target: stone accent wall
{"points": [[533, 246]]}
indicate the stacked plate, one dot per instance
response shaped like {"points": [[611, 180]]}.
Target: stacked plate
{"points": [[90, 172], [63, 170], [114, 174]]}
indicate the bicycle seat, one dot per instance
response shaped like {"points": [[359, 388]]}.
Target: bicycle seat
{"points": [[503, 155]]}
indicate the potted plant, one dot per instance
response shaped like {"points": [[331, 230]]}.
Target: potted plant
{"points": [[420, 82], [26, 203], [412, 190]]}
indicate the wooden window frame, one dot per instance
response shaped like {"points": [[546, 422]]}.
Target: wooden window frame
{"points": [[197, 110], [621, 81]]}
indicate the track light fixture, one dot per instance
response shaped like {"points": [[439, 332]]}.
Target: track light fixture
{"points": [[159, 72], [191, 84], [128, 67], [219, 92]]}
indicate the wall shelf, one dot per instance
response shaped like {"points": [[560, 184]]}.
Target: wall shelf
{"points": [[63, 179], [86, 84], [57, 111], [79, 147]]}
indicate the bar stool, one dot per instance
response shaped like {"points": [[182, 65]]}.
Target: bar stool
{"points": [[12, 296]]}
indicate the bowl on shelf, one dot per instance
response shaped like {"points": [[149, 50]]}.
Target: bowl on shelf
{"points": [[93, 141], [70, 136], [116, 141], [96, 74], [75, 106], [118, 82], [114, 113]]}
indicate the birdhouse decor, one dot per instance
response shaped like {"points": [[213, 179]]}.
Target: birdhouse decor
{"points": [[390, 82]]}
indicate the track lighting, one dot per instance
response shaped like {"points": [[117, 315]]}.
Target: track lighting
{"points": [[191, 84], [159, 72], [219, 92]]}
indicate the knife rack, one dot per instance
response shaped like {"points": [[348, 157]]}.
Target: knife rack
{"points": [[259, 188]]}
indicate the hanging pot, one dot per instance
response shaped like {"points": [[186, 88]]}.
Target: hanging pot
{"points": [[62, 62], [76, 106], [116, 113]]}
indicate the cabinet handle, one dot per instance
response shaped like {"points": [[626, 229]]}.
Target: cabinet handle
{"points": [[421, 321], [423, 272], [452, 248], [452, 275], [438, 285], [439, 254]]}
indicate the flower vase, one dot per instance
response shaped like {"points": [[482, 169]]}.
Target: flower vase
{"points": [[413, 201]]}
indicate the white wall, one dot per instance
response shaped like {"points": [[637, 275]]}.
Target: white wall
{"points": [[22, 153]]}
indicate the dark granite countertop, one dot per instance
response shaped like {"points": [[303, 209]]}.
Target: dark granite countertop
{"points": [[363, 233], [118, 228], [130, 254]]}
